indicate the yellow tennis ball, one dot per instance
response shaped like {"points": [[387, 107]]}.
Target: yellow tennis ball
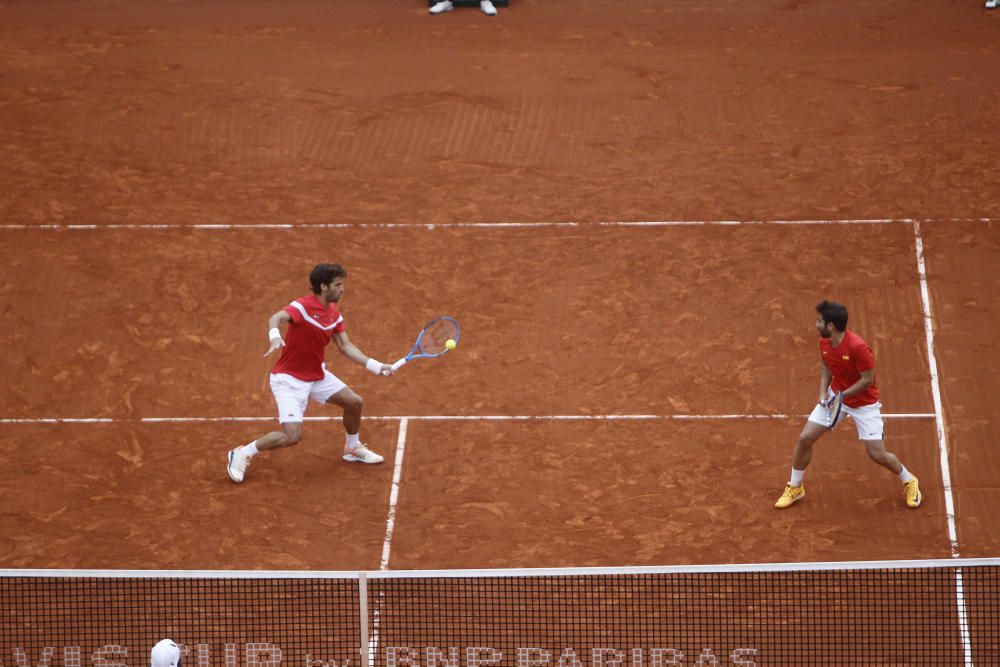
{"points": [[450, 344]]}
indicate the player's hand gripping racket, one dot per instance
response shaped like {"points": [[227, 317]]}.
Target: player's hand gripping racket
{"points": [[834, 405], [433, 341]]}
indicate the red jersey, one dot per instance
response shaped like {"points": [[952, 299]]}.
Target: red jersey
{"points": [[309, 332], [846, 362]]}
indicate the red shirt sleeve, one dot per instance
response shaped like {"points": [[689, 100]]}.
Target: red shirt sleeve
{"points": [[864, 360], [294, 312]]}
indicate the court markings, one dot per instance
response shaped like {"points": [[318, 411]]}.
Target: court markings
{"points": [[403, 426], [407, 418], [397, 475], [481, 225], [937, 415], [942, 437]]}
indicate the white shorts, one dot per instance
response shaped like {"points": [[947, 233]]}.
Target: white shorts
{"points": [[867, 419], [291, 394]]}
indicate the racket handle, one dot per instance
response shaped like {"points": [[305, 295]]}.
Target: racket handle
{"points": [[399, 364]]}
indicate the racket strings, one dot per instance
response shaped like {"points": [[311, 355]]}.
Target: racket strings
{"points": [[436, 334]]}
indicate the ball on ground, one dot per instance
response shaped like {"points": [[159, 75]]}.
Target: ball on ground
{"points": [[450, 344]]}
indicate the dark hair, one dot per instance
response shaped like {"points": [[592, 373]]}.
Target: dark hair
{"points": [[324, 274], [833, 313]]}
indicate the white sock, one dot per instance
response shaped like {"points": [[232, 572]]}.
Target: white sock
{"points": [[797, 476], [353, 440], [905, 475], [250, 450]]}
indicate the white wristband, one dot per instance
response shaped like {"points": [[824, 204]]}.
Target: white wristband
{"points": [[374, 366], [274, 334]]}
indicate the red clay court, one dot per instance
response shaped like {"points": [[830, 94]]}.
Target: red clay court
{"points": [[631, 209]]}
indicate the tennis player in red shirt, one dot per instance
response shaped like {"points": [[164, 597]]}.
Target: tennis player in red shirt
{"points": [[300, 374], [848, 367]]}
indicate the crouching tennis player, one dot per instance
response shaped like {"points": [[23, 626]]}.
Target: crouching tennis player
{"points": [[300, 375], [849, 367]]}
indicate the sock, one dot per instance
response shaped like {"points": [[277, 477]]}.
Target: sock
{"points": [[905, 475], [352, 441], [250, 450], [797, 476]]}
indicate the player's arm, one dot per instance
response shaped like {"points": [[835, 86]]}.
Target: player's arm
{"points": [[352, 352], [825, 378], [274, 333], [864, 363], [865, 381]]}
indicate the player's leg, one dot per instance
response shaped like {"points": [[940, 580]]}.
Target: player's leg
{"points": [[332, 390], [911, 485], [290, 395], [813, 430], [803, 452], [290, 434], [878, 454], [868, 420], [353, 406]]}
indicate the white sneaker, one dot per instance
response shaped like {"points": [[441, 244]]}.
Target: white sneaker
{"points": [[238, 464], [442, 7], [490, 10], [991, 4], [362, 455]]}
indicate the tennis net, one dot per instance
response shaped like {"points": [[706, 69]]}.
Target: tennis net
{"points": [[938, 613]]}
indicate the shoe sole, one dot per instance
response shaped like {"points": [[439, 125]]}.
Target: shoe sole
{"points": [[354, 459], [230, 472]]}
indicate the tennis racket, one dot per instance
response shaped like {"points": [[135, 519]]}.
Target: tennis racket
{"points": [[431, 340], [833, 407]]}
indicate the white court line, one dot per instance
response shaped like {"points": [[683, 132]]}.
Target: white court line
{"points": [[449, 225], [354, 575], [404, 418], [397, 474], [390, 526], [942, 436], [63, 420], [479, 225]]}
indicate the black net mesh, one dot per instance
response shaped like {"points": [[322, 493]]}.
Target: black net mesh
{"points": [[110, 622], [836, 617], [919, 616]]}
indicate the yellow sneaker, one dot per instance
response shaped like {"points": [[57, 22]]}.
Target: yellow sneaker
{"points": [[792, 495], [913, 495]]}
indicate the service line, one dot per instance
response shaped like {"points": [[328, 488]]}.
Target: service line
{"points": [[405, 418]]}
